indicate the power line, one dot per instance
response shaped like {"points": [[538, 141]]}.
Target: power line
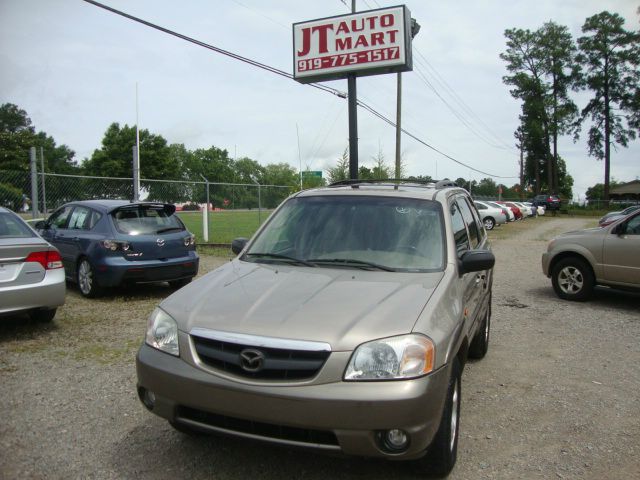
{"points": [[283, 74]]}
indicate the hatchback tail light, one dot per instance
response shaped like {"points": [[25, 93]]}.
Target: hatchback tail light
{"points": [[49, 259]]}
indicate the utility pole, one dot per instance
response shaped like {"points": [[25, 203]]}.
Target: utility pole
{"points": [[415, 28], [34, 182], [44, 195], [398, 123], [353, 118]]}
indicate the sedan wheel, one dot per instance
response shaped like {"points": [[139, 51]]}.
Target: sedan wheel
{"points": [[489, 223], [86, 280], [572, 279]]}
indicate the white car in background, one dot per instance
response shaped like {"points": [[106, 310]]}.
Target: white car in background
{"points": [[491, 216], [511, 217], [526, 211], [540, 208]]}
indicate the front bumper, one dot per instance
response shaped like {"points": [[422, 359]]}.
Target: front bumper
{"points": [[330, 415], [546, 261], [113, 271]]}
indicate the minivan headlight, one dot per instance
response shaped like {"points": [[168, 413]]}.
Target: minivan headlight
{"points": [[162, 332], [394, 358]]}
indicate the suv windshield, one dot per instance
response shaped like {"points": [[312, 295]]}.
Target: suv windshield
{"points": [[145, 221], [378, 233]]}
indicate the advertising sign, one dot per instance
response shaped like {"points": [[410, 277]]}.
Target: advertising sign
{"points": [[363, 43]]}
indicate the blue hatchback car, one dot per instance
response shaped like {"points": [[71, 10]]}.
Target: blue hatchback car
{"points": [[105, 243]]}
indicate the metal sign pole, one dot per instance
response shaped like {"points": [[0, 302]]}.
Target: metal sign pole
{"points": [[353, 119]]}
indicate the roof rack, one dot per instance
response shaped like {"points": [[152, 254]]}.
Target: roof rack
{"points": [[397, 181]]}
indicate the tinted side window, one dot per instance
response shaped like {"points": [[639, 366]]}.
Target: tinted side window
{"points": [[95, 218], [459, 230], [470, 220], [59, 218], [480, 206], [78, 220], [633, 226]]}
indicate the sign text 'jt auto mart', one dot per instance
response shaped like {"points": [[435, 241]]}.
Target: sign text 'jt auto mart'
{"points": [[364, 43]]}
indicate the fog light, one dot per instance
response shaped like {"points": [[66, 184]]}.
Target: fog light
{"points": [[394, 440], [147, 397]]}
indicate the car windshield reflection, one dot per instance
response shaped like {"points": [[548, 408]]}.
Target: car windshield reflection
{"points": [[363, 232]]}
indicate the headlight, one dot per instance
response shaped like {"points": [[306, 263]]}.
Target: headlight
{"points": [[162, 332], [407, 356]]}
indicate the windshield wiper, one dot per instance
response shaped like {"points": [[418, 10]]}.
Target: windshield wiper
{"points": [[347, 262], [279, 256], [168, 229]]}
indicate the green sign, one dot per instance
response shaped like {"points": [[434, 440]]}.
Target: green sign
{"points": [[313, 174]]}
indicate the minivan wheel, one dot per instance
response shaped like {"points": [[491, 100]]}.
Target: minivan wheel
{"points": [[480, 343], [442, 453], [572, 279], [489, 223], [86, 280]]}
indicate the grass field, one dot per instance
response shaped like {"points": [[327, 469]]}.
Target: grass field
{"points": [[226, 225]]}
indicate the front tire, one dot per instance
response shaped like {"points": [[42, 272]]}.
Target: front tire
{"points": [[443, 451], [87, 282], [572, 279]]}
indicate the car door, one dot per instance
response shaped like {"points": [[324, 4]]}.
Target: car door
{"points": [[54, 232], [466, 239], [72, 237], [621, 252]]}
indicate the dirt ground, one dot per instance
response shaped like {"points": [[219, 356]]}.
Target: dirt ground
{"points": [[558, 395]]}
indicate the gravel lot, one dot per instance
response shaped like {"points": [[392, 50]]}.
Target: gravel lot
{"points": [[558, 395]]}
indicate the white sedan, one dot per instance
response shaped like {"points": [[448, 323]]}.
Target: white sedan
{"points": [[491, 216]]}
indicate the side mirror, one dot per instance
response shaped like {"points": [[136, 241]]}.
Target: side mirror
{"points": [[476, 261], [238, 244], [40, 225]]}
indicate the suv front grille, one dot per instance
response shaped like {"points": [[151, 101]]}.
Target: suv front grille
{"points": [[260, 429], [274, 364]]}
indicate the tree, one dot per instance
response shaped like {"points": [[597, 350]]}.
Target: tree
{"points": [[559, 57], [115, 159], [543, 69], [610, 56], [18, 135], [341, 170], [279, 174]]}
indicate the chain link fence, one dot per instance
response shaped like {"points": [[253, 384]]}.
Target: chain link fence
{"points": [[234, 209]]}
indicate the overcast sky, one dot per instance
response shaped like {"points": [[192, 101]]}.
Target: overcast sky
{"points": [[74, 67]]}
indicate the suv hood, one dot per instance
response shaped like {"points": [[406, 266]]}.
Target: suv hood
{"points": [[582, 233], [339, 306]]}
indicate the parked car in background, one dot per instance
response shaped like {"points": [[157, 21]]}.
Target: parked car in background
{"points": [[105, 243], [549, 202], [31, 274], [490, 215], [577, 261], [343, 325], [539, 209], [527, 211], [514, 208], [611, 217], [510, 215]]}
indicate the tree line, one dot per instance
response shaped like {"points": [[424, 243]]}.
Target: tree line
{"points": [[544, 66], [158, 160]]}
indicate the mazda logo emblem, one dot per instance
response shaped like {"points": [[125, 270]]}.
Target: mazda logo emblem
{"points": [[251, 360], [160, 242]]}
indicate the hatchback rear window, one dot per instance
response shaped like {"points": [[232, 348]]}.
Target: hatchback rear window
{"points": [[12, 227], [145, 221]]}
